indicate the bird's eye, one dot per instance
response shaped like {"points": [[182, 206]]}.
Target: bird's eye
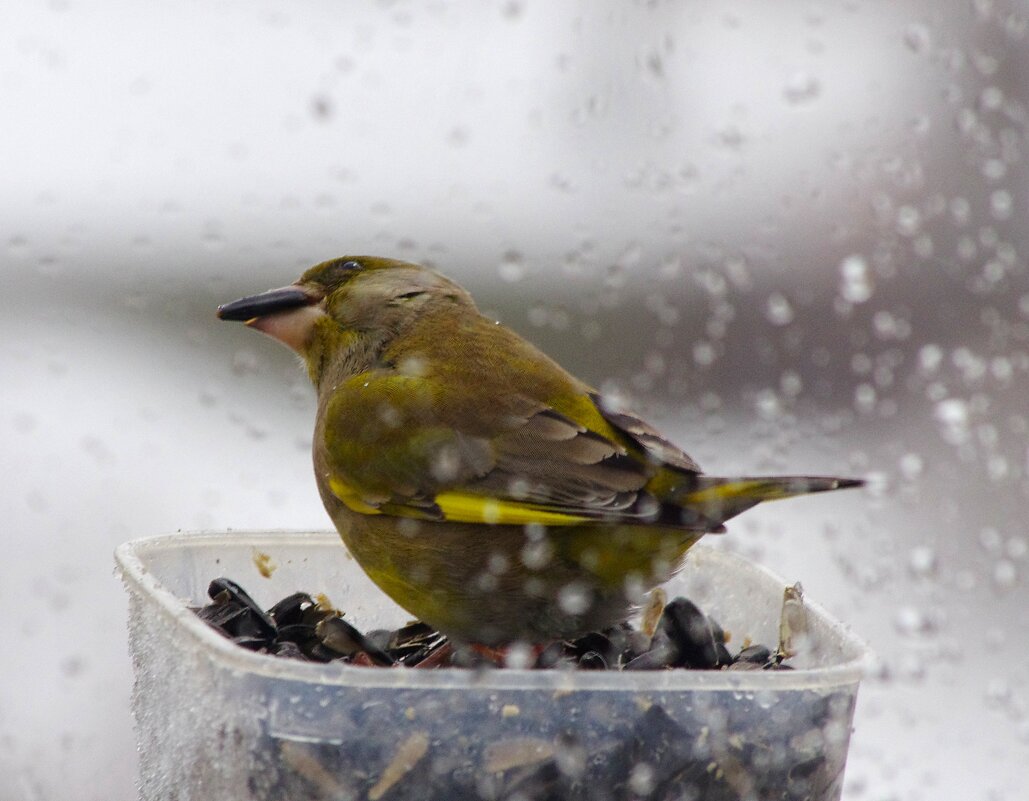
{"points": [[350, 265]]}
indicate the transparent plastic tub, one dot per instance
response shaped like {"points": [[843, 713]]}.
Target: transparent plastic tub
{"points": [[217, 721]]}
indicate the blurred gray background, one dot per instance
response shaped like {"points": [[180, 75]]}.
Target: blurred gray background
{"points": [[794, 235]]}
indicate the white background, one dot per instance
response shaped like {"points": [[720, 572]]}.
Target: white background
{"points": [[793, 234]]}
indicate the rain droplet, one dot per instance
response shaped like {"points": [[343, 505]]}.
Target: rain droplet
{"points": [[911, 667], [518, 656], [922, 561], [457, 137], [703, 353], [536, 554], [767, 405], [864, 398], [990, 540], [778, 310], [73, 666], [994, 169], [731, 136], [1001, 204], [930, 357], [791, 384], [1005, 574], [209, 396], [908, 220], [245, 361], [574, 598], [641, 779], [512, 10], [322, 108], [911, 466], [960, 210], [991, 98], [17, 246], [911, 622], [952, 414], [512, 267], [916, 37], [802, 87], [855, 279], [97, 449]]}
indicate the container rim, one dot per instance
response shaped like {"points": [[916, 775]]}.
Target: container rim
{"points": [[129, 558]]}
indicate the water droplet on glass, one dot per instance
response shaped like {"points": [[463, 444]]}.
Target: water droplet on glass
{"points": [[17, 246], [916, 37], [731, 136], [990, 539], [911, 621], [952, 415], [864, 398], [536, 554], [911, 466], [855, 279], [519, 656], [245, 361], [994, 169], [97, 449], [1005, 574], [930, 357], [791, 384], [512, 10], [574, 598], [801, 87], [1017, 547], [911, 666], [991, 98], [908, 220], [211, 237], [998, 693], [1001, 204], [922, 561], [512, 267], [457, 137], [73, 666], [641, 779], [703, 353], [322, 108], [767, 405], [778, 310], [209, 396]]}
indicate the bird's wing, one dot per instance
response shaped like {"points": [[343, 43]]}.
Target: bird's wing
{"points": [[409, 446]]}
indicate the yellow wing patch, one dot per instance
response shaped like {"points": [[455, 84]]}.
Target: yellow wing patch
{"points": [[459, 507], [733, 490], [351, 498], [463, 507]]}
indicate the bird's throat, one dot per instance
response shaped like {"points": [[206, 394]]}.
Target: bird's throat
{"points": [[293, 328]]}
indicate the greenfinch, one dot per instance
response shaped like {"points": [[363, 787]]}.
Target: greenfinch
{"points": [[485, 489]]}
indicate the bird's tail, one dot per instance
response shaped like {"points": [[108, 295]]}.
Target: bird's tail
{"points": [[716, 499]]}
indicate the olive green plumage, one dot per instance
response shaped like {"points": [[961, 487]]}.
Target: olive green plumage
{"points": [[484, 488]]}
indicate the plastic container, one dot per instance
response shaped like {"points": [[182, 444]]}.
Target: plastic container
{"points": [[217, 721]]}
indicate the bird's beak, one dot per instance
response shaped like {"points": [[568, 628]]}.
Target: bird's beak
{"points": [[288, 314]]}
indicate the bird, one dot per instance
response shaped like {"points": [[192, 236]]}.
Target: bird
{"points": [[480, 485]]}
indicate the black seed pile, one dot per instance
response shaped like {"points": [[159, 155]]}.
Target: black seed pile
{"points": [[297, 627], [417, 743]]}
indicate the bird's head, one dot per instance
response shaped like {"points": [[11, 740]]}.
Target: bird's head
{"points": [[338, 302]]}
